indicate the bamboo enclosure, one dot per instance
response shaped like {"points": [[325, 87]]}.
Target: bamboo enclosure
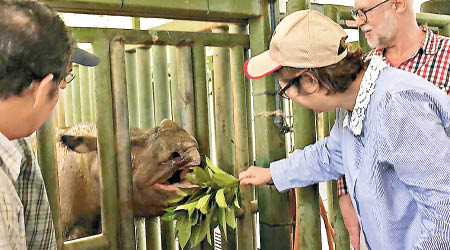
{"points": [[195, 79]]}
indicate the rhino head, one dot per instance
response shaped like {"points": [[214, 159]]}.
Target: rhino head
{"points": [[160, 158]]}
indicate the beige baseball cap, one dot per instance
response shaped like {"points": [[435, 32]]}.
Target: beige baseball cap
{"points": [[303, 39]]}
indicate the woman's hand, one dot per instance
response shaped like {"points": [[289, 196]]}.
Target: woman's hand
{"points": [[255, 176]]}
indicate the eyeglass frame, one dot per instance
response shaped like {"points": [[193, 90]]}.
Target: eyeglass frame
{"points": [[70, 76], [355, 12]]}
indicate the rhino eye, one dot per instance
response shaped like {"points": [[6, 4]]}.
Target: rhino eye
{"points": [[174, 155]]}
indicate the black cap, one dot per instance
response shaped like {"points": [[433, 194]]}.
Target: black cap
{"points": [[84, 58]]}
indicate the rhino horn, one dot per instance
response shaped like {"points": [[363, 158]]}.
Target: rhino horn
{"points": [[80, 144]]}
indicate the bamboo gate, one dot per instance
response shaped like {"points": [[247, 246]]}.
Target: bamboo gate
{"points": [[146, 76]]}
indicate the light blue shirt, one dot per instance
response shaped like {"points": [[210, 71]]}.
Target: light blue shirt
{"points": [[397, 170]]}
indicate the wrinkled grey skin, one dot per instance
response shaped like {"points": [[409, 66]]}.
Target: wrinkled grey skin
{"points": [[160, 159]]}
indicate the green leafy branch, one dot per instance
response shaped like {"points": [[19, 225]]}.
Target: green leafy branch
{"points": [[213, 203]]}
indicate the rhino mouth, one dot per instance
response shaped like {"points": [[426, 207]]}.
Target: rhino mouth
{"points": [[183, 165]]}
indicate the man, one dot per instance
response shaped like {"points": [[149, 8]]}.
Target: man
{"points": [[36, 52], [390, 28], [386, 144]]}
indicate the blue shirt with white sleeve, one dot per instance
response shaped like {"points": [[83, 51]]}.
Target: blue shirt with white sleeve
{"points": [[397, 168]]}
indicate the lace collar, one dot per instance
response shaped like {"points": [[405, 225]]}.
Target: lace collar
{"points": [[365, 92]]}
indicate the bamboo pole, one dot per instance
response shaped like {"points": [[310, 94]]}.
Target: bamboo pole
{"points": [[307, 233], [91, 94], [85, 94], [245, 224], [130, 64], [68, 106], [161, 83], [186, 88], [153, 233], [223, 114], [47, 162], [176, 115], [76, 104], [162, 111], [122, 144], [275, 224], [145, 89], [60, 112], [201, 98], [106, 151]]}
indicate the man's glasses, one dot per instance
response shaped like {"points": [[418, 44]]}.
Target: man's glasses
{"points": [[361, 14], [70, 77]]}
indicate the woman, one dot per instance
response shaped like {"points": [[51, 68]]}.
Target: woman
{"points": [[392, 143]]}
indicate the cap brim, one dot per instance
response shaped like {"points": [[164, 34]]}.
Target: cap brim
{"points": [[84, 58], [260, 66]]}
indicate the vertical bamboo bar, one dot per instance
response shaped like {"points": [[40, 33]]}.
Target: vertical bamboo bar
{"points": [[201, 96], [162, 111], [153, 234], [275, 228], [122, 144], [85, 96], [75, 84], [105, 139], [245, 224], [147, 120], [60, 112], [47, 162], [130, 63], [186, 88], [145, 88], [91, 94], [68, 106], [342, 239], [161, 83], [223, 108], [176, 116], [201, 106], [307, 199]]}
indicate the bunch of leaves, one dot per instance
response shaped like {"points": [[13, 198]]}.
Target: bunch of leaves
{"points": [[214, 202]]}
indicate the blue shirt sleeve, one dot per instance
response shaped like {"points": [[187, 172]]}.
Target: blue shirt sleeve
{"points": [[414, 140], [321, 161]]}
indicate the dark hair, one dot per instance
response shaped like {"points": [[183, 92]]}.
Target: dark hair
{"points": [[33, 43], [336, 77]]}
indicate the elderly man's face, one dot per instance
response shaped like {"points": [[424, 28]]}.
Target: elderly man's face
{"points": [[381, 25]]}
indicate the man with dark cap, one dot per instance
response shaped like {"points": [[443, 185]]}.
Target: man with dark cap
{"points": [[36, 54]]}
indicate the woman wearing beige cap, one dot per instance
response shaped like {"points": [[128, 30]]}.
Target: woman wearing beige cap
{"points": [[384, 143]]}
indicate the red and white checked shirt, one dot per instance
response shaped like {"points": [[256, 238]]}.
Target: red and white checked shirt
{"points": [[431, 61]]}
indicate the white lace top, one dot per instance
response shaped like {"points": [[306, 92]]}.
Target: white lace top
{"points": [[365, 92]]}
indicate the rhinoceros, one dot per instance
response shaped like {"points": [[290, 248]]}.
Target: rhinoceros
{"points": [[160, 157]]}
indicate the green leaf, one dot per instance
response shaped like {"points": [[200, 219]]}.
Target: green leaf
{"points": [[214, 167], [202, 204], [189, 207], [236, 202], [197, 176], [224, 179], [168, 217], [194, 218], [184, 230], [195, 235], [223, 222], [179, 195], [231, 219], [202, 232], [220, 199]]}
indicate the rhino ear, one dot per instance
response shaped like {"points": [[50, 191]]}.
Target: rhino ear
{"points": [[80, 144], [168, 124]]}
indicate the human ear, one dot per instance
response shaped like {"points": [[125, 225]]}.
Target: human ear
{"points": [[400, 5], [309, 82], [43, 90]]}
